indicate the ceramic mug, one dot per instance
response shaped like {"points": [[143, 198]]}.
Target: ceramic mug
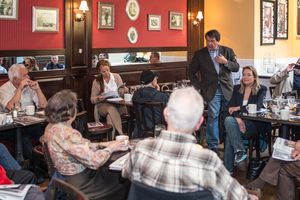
{"points": [[123, 138], [285, 114], [127, 97], [251, 108], [30, 110]]}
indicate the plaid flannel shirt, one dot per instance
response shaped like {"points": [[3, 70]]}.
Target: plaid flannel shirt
{"points": [[174, 162]]}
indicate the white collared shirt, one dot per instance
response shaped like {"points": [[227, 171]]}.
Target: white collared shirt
{"points": [[28, 96], [110, 88]]}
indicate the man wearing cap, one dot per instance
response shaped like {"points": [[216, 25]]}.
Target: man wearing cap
{"points": [[149, 92]]}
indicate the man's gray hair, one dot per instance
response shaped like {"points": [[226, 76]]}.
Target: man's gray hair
{"points": [[14, 71], [184, 109]]}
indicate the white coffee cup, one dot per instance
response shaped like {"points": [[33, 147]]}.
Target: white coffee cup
{"points": [[30, 110], [127, 97], [123, 138], [285, 114], [2, 119], [251, 108]]}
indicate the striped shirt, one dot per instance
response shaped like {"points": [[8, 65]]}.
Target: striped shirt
{"points": [[174, 162]]}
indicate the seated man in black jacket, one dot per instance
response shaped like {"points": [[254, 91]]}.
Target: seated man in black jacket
{"points": [[150, 93]]}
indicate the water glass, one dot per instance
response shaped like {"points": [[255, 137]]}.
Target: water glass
{"points": [[291, 101]]}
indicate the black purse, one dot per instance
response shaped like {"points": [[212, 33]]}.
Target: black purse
{"points": [[255, 167]]}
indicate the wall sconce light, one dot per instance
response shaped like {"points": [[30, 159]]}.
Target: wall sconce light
{"points": [[198, 18], [83, 7]]}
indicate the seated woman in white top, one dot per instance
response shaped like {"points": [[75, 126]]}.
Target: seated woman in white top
{"points": [[106, 85]]}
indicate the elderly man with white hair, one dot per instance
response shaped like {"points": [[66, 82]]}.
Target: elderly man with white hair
{"points": [[174, 162], [20, 91]]}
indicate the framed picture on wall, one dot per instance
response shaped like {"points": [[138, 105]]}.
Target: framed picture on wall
{"points": [[267, 25], [132, 9], [45, 19], [9, 9], [106, 15], [175, 20], [154, 22], [282, 19], [132, 35]]}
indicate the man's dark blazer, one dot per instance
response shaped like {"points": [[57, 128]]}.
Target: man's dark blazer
{"points": [[203, 74]]}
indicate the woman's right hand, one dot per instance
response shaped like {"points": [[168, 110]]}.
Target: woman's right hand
{"points": [[100, 98], [241, 124], [117, 146], [233, 109]]}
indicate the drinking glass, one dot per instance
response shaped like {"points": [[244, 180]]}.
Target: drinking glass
{"points": [[291, 101], [265, 103]]}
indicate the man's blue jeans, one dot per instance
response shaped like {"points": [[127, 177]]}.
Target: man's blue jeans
{"points": [[234, 139], [212, 129], [6, 160]]}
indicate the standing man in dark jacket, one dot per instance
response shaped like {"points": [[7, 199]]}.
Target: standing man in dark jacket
{"points": [[150, 93], [213, 64]]}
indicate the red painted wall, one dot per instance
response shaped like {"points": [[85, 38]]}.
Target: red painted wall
{"points": [[18, 35], [117, 38]]}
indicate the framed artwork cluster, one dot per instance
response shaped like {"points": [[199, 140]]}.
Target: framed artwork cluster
{"points": [[106, 17], [273, 21]]}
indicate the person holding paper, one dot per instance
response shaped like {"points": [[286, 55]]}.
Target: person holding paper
{"points": [[107, 85], [250, 91], [287, 80], [283, 174]]}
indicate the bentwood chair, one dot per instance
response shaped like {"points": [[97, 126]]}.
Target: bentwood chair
{"points": [[70, 192], [148, 114], [140, 191]]}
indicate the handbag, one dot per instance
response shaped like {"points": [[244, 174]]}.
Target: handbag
{"points": [[255, 167]]}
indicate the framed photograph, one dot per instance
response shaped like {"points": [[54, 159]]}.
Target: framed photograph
{"points": [[106, 15], [298, 18], [132, 35], [282, 19], [154, 22], [176, 20], [9, 9], [45, 19], [267, 25], [132, 9]]}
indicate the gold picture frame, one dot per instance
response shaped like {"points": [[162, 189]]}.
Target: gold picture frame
{"points": [[106, 15], [9, 10], [175, 20], [45, 19]]}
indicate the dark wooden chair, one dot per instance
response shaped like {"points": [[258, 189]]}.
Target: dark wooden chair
{"points": [[96, 134], [140, 191], [50, 164], [147, 115], [71, 193]]}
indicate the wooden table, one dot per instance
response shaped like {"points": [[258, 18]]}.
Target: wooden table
{"points": [[18, 131], [275, 118]]}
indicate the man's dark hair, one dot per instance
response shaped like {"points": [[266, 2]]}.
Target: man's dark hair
{"points": [[156, 54], [213, 34]]}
